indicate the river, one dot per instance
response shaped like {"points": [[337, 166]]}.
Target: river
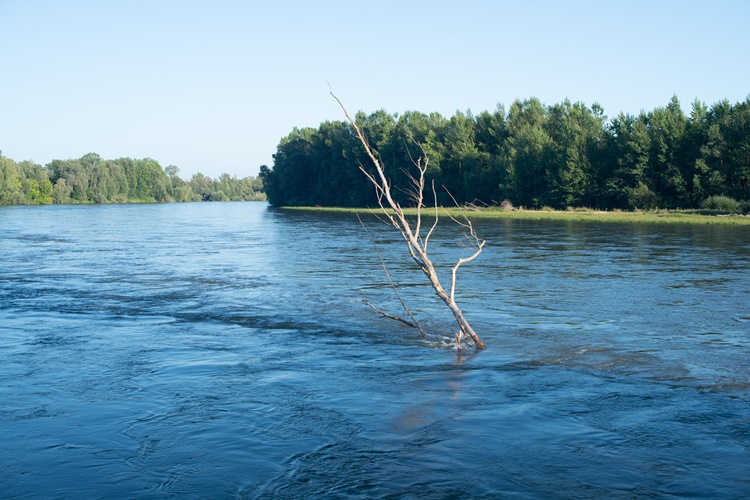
{"points": [[212, 350]]}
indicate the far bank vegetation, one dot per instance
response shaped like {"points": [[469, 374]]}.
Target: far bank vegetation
{"points": [[535, 156], [92, 179]]}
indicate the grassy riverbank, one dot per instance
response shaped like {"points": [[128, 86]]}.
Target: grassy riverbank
{"points": [[580, 214]]}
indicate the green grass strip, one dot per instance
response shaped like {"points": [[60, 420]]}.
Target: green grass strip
{"points": [[578, 214]]}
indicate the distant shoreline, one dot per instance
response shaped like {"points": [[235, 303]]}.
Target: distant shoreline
{"points": [[586, 215]]}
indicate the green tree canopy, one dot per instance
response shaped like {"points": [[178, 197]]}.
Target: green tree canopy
{"points": [[91, 179], [564, 155]]}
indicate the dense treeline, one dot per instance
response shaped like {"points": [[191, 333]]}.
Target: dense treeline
{"points": [[533, 155], [90, 179]]}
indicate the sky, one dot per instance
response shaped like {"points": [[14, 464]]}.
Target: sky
{"points": [[213, 86]]}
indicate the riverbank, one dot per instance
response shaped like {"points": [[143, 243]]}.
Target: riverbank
{"points": [[580, 214]]}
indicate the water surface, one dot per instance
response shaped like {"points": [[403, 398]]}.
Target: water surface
{"points": [[211, 350]]}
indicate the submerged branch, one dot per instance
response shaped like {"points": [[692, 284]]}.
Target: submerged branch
{"points": [[415, 323], [386, 315]]}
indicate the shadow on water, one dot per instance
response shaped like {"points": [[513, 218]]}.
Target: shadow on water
{"points": [[210, 350]]}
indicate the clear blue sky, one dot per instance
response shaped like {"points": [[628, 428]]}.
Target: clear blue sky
{"points": [[212, 86]]}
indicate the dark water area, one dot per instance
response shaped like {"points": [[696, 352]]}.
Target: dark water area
{"points": [[211, 350]]}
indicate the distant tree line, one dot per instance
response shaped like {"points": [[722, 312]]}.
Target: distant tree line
{"points": [[559, 156], [91, 179]]}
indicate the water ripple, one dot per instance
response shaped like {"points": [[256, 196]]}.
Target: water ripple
{"points": [[210, 350]]}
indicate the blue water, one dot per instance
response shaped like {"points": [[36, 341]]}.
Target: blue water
{"points": [[211, 350]]}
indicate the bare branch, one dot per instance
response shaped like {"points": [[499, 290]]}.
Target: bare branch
{"points": [[475, 241], [388, 275], [386, 315], [455, 267]]}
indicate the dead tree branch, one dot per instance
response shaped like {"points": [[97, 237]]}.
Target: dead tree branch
{"points": [[411, 233]]}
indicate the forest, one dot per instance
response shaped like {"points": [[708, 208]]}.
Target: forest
{"points": [[534, 156], [91, 179]]}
